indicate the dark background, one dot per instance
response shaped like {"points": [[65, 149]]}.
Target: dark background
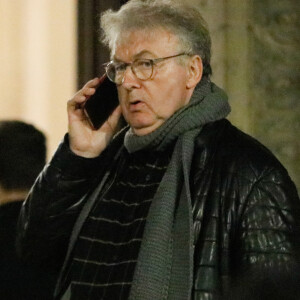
{"points": [[91, 53]]}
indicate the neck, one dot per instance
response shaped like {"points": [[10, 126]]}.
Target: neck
{"points": [[7, 196]]}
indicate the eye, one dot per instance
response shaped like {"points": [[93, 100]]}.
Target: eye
{"points": [[120, 67], [143, 63]]}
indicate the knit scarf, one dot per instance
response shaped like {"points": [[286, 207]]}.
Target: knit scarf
{"points": [[164, 268]]}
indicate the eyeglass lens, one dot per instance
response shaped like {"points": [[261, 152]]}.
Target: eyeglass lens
{"points": [[141, 68]]}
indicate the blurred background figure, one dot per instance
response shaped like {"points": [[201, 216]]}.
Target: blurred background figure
{"points": [[22, 157]]}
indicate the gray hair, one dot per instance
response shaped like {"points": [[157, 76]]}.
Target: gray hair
{"points": [[185, 21]]}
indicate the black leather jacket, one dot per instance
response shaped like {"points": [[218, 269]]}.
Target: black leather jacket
{"points": [[246, 212]]}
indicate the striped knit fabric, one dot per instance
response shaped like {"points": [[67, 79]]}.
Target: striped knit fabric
{"points": [[107, 250]]}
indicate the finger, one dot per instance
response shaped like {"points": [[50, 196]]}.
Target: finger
{"points": [[76, 102], [93, 83], [81, 96], [90, 87], [79, 99], [88, 91]]}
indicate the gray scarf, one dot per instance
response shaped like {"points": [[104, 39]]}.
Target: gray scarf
{"points": [[165, 264]]}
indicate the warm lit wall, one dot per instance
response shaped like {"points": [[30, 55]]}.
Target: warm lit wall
{"points": [[38, 63]]}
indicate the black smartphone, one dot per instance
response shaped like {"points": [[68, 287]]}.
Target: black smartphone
{"points": [[100, 105]]}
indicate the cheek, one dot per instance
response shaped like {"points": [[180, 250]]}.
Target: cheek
{"points": [[170, 101]]}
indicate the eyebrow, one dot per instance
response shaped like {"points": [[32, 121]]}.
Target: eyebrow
{"points": [[136, 56]]}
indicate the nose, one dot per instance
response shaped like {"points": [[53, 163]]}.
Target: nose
{"points": [[130, 81]]}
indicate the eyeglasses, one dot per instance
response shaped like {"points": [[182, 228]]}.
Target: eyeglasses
{"points": [[141, 68]]}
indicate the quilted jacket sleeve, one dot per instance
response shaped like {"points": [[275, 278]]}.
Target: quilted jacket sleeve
{"points": [[246, 220], [268, 239], [266, 227], [268, 223], [48, 214]]}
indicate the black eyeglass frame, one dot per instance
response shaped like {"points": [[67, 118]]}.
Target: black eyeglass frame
{"points": [[152, 62]]}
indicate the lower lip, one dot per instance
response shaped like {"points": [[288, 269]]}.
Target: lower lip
{"points": [[136, 107]]}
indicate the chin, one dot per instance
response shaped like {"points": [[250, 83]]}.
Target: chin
{"points": [[141, 131], [146, 129], [143, 126]]}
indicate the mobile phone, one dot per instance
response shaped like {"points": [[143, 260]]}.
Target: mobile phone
{"points": [[102, 103]]}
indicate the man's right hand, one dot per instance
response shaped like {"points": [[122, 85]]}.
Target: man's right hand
{"points": [[84, 140]]}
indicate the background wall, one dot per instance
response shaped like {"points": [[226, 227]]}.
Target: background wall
{"points": [[256, 59], [38, 63]]}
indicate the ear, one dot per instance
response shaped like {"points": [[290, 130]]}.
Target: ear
{"points": [[195, 71]]}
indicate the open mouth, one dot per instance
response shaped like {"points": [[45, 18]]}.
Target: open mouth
{"points": [[136, 105], [136, 102]]}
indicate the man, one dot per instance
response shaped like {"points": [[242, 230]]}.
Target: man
{"points": [[180, 204], [22, 157]]}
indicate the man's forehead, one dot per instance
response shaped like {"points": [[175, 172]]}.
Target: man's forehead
{"points": [[140, 43]]}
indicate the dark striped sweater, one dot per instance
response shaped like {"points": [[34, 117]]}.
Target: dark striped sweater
{"points": [[107, 250]]}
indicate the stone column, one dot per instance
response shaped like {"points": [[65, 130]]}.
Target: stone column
{"points": [[275, 80], [256, 59]]}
